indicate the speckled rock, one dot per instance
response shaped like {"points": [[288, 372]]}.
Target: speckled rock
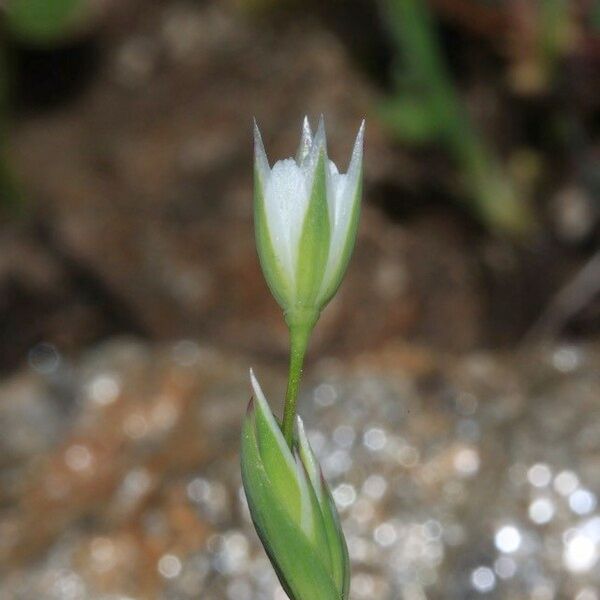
{"points": [[472, 477]]}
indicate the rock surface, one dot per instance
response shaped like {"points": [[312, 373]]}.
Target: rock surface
{"points": [[455, 477]]}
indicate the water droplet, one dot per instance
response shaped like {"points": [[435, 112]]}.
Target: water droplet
{"points": [[541, 510], [539, 475], [483, 579], [508, 539], [169, 566]]}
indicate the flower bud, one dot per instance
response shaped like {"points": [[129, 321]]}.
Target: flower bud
{"points": [[306, 218], [292, 508]]}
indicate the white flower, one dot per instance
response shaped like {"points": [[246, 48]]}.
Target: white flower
{"points": [[306, 217]]}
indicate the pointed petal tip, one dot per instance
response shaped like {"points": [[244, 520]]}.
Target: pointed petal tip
{"points": [[319, 143], [255, 386], [261, 402], [302, 437], [303, 443], [257, 392], [306, 140], [260, 156], [361, 134], [300, 429], [355, 165], [321, 125], [259, 148], [306, 129], [258, 143]]}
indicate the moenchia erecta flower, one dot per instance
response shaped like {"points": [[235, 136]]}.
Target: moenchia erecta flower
{"points": [[306, 217], [291, 507]]}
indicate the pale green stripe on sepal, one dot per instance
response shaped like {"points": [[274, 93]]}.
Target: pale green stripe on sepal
{"points": [[317, 533], [337, 542], [313, 249], [308, 457], [337, 276], [334, 535], [298, 566], [271, 265]]}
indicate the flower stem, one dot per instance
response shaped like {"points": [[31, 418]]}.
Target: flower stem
{"points": [[298, 343]]}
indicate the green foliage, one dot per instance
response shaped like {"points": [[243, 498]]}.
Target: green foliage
{"points": [[42, 21], [10, 195], [595, 15], [409, 120], [428, 109]]}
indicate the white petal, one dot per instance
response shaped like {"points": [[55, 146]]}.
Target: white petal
{"points": [[355, 166], [286, 201], [305, 142], [260, 156], [336, 183], [341, 194]]}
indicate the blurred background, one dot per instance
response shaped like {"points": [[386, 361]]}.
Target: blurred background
{"points": [[452, 389]]}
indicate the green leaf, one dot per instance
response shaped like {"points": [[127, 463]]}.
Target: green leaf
{"points": [[314, 240], [42, 21]]}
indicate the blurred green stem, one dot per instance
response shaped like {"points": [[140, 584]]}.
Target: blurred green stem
{"points": [[555, 21], [494, 198]]}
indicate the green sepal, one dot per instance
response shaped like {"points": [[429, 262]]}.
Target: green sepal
{"points": [[337, 542], [282, 472], [298, 564], [313, 249], [271, 265], [334, 535], [317, 531]]}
